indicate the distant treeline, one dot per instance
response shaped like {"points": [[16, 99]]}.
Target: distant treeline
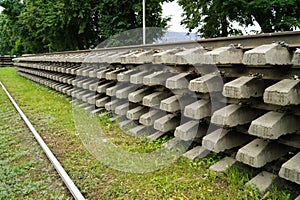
{"points": [[36, 26], [215, 18]]}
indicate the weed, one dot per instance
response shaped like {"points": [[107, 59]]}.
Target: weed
{"points": [[214, 158], [239, 176]]}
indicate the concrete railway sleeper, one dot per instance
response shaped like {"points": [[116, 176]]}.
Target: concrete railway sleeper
{"points": [[243, 98]]}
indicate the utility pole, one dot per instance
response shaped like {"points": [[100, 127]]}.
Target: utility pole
{"points": [[144, 22]]}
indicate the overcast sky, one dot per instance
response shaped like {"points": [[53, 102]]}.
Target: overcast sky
{"points": [[174, 11]]}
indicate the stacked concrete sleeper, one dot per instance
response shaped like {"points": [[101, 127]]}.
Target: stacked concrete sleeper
{"points": [[256, 116]]}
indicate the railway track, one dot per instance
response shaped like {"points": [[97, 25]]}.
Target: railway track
{"points": [[63, 174], [236, 94]]}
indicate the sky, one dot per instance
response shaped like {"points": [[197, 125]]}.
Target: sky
{"points": [[174, 11]]}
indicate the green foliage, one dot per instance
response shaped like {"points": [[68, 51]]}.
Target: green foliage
{"points": [[12, 32], [113, 21], [36, 26], [282, 15], [214, 158], [214, 17], [239, 176]]}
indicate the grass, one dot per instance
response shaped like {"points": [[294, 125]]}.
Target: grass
{"points": [[25, 172], [52, 115]]}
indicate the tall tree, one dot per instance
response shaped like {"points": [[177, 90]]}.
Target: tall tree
{"points": [[214, 18], [12, 32], [58, 25], [118, 16]]}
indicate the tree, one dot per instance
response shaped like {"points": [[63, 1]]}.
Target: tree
{"points": [[59, 25], [215, 17], [276, 15], [113, 22], [12, 32]]}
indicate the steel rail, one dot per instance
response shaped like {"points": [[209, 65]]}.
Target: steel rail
{"points": [[63, 174], [292, 38]]}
